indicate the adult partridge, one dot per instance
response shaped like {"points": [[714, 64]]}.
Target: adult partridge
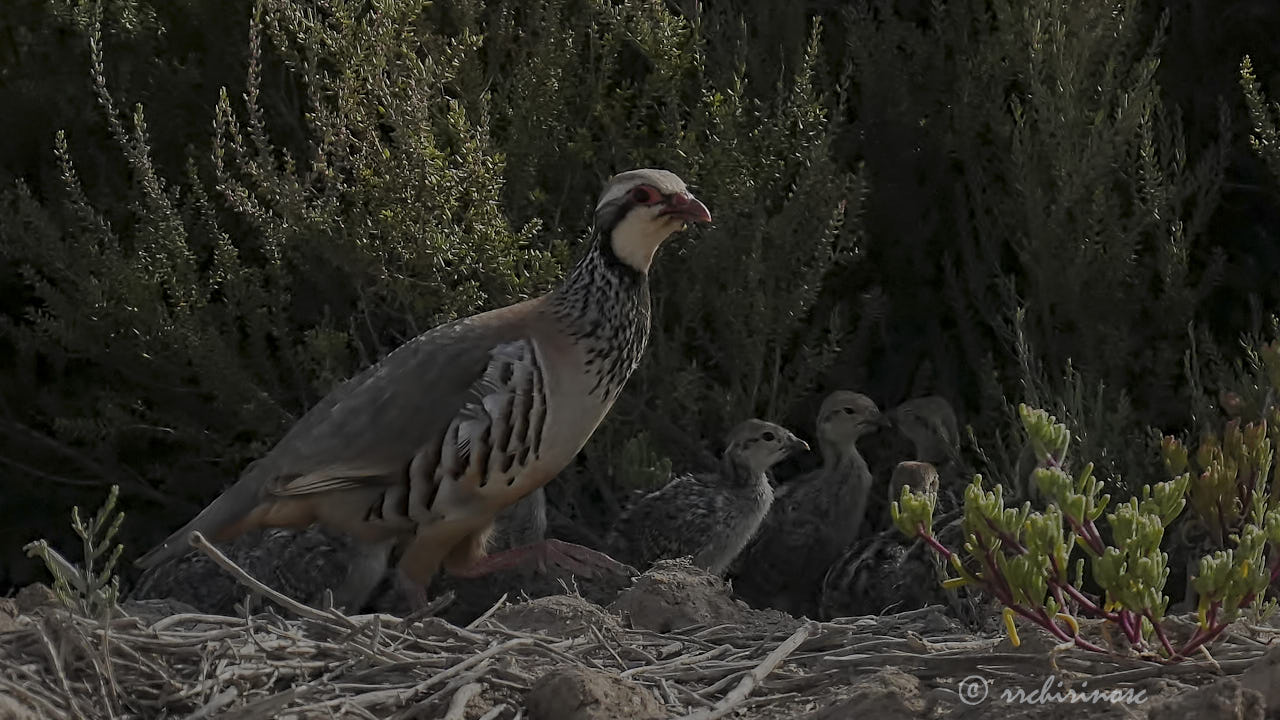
{"points": [[426, 447], [711, 516], [815, 516]]}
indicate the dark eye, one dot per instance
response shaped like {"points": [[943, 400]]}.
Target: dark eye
{"points": [[848, 411], [769, 437], [645, 195]]}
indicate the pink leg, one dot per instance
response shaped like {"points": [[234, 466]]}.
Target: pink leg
{"points": [[575, 559], [414, 593]]}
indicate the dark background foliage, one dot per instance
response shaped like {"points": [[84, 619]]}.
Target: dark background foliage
{"points": [[213, 211]]}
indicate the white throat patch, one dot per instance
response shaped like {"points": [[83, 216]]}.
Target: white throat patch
{"points": [[637, 237]]}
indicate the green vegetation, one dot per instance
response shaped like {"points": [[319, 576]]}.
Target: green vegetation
{"points": [[213, 212], [92, 588]]}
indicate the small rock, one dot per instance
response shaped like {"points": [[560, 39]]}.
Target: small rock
{"points": [[887, 695], [1264, 677], [1225, 699], [674, 594], [557, 615], [36, 596], [582, 694], [474, 596]]}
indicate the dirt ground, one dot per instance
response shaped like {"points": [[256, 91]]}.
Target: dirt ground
{"points": [[673, 644]]}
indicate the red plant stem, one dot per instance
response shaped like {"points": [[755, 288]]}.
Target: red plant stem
{"points": [[1202, 636], [1042, 619], [1006, 538], [1092, 539], [1089, 605], [1164, 640], [1132, 626], [1056, 589], [993, 571], [938, 547], [1205, 639]]}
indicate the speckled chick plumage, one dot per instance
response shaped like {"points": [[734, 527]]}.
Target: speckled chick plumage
{"points": [[815, 516], [709, 516], [886, 572]]}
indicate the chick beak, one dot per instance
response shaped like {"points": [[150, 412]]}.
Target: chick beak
{"points": [[796, 445], [885, 421], [687, 208]]}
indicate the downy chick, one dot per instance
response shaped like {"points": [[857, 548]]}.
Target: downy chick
{"points": [[709, 516], [887, 572], [816, 516]]}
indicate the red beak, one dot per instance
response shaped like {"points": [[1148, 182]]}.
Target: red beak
{"points": [[688, 207]]}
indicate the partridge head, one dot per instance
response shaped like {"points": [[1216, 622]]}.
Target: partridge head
{"points": [[930, 424], [424, 449], [754, 446], [843, 419], [920, 477]]}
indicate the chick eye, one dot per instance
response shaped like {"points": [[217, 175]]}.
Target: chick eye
{"points": [[769, 437], [848, 411], [645, 195]]}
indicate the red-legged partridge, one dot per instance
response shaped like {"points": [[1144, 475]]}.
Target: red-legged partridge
{"points": [[424, 449], [709, 517]]}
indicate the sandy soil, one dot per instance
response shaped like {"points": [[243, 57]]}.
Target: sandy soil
{"points": [[675, 643]]}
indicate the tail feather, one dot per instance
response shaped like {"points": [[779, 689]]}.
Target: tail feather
{"points": [[233, 504]]}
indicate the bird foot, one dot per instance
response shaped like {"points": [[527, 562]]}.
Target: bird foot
{"points": [[571, 558], [414, 593]]}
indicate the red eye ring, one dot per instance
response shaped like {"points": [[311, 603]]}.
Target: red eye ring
{"points": [[645, 195]]}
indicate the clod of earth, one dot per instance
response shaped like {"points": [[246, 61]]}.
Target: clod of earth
{"points": [[674, 594], [559, 615], [887, 695], [583, 694]]}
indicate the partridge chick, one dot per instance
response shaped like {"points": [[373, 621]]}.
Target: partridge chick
{"points": [[930, 423], [424, 449], [816, 516], [710, 516], [887, 572]]}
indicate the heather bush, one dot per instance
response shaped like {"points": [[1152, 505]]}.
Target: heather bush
{"points": [[1052, 210], [164, 346], [180, 338], [1264, 117]]}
